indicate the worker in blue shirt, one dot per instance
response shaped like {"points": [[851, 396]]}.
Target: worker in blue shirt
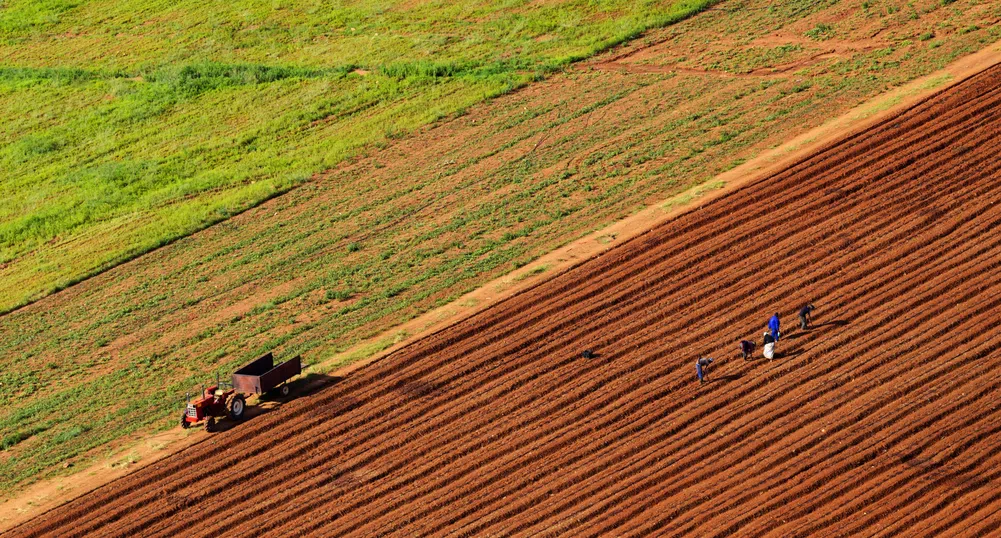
{"points": [[773, 325], [700, 366]]}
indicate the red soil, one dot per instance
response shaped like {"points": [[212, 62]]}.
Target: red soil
{"points": [[881, 420]]}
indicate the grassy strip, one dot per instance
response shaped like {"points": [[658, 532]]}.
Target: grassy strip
{"points": [[166, 148]]}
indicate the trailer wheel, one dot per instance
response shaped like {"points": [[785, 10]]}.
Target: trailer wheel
{"points": [[237, 405], [184, 421], [210, 424], [284, 390]]}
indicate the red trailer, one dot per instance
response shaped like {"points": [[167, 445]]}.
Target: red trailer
{"points": [[263, 376]]}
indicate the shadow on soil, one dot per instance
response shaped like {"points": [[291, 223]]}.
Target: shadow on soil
{"points": [[725, 378], [936, 470], [302, 386], [252, 412], [778, 355], [816, 329], [268, 402]]}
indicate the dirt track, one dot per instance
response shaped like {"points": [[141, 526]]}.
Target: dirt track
{"points": [[881, 420]]}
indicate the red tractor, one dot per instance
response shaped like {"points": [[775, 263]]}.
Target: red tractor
{"points": [[222, 399], [216, 401]]}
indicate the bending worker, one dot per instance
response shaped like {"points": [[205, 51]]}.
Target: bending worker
{"points": [[700, 366], [804, 316]]}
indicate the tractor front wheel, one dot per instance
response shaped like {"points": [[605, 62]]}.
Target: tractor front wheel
{"points": [[237, 405], [184, 421], [210, 424]]}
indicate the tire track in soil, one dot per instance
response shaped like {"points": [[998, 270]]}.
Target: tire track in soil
{"points": [[638, 285]]}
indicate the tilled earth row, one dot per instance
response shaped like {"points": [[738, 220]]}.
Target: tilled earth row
{"points": [[880, 420]]}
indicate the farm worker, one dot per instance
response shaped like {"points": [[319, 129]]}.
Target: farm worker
{"points": [[746, 349], [700, 366], [804, 316], [773, 325], [769, 350]]}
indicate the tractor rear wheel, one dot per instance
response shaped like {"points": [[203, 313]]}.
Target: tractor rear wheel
{"points": [[184, 421], [236, 406], [210, 424]]}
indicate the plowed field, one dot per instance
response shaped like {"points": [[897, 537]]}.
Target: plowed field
{"points": [[881, 420]]}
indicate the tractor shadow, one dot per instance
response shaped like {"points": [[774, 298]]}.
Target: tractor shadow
{"points": [[251, 412], [302, 386], [271, 401]]}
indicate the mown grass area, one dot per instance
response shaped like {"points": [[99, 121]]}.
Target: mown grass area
{"points": [[128, 124], [414, 222]]}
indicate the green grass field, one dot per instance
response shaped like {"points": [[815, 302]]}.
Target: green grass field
{"points": [[128, 124]]}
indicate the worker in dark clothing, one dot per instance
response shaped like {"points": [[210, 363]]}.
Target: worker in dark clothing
{"points": [[746, 349], [804, 316], [773, 325], [700, 368]]}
